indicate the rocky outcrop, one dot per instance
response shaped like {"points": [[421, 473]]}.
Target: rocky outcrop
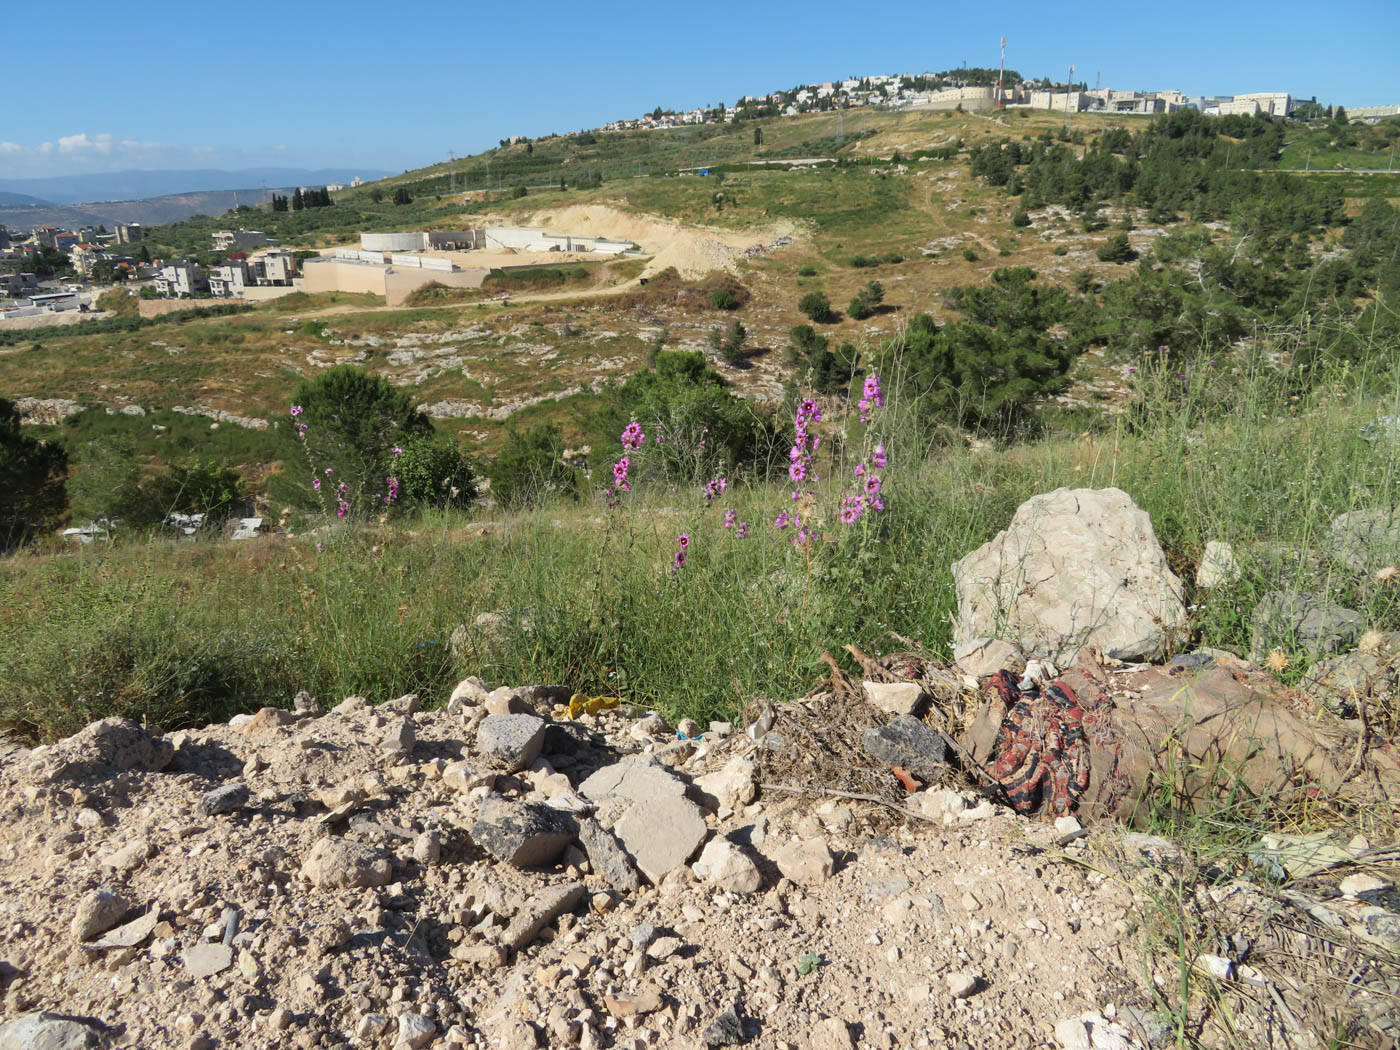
{"points": [[1075, 567]]}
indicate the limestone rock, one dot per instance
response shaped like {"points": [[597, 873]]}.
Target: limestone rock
{"points": [[207, 958], [46, 1031], [416, 1031], [539, 911], [113, 745], [1297, 620], [523, 833], [97, 912], [637, 779], [728, 867], [983, 657], [662, 834], [510, 742], [607, 858], [469, 691], [337, 864], [733, 785], [909, 743], [725, 1030], [224, 799], [1365, 540], [895, 698], [830, 1033], [1218, 566], [1076, 567], [807, 863]]}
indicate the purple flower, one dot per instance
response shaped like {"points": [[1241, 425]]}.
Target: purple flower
{"points": [[878, 457], [316, 484], [798, 472], [342, 488], [872, 484], [783, 520], [619, 470], [295, 411], [329, 471], [683, 540], [714, 487], [743, 530], [342, 509], [809, 409], [730, 517], [633, 436], [396, 451], [679, 560], [873, 392], [319, 548]]}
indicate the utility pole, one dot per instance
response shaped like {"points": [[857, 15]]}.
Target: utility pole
{"points": [[1001, 73], [452, 167]]}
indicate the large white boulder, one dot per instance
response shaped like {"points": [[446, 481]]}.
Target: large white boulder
{"points": [[1076, 567]]}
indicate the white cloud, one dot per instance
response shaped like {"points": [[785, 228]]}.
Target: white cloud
{"points": [[87, 152]]}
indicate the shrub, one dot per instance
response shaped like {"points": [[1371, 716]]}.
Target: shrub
{"points": [[817, 306], [831, 371], [864, 262], [1020, 219], [859, 309], [1060, 249], [531, 468], [892, 258], [724, 291], [518, 192], [723, 299], [806, 271], [969, 254], [434, 472], [1117, 249], [728, 342], [33, 496]]}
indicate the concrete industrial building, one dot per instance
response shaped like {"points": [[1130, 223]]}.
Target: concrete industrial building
{"points": [[128, 232], [1270, 103], [1060, 101], [490, 238], [238, 240], [348, 271]]}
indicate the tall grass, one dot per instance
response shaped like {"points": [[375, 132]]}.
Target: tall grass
{"points": [[578, 594]]}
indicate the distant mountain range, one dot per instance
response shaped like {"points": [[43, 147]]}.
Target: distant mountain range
{"points": [[152, 211], [140, 185]]}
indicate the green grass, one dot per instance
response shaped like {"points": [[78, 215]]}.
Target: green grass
{"points": [[160, 631]]}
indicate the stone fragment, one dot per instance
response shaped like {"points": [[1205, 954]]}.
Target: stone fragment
{"points": [[1090, 1031], [486, 954], [46, 1031], [1075, 567], [807, 863], [637, 779], [469, 691], [895, 698], [131, 856], [539, 911], [1365, 540], [523, 833], [1356, 884], [97, 912], [645, 1000], [337, 864], [131, 934], [983, 657], [372, 1026], [399, 736], [1292, 620], [725, 1030], [280, 1019], [306, 704], [514, 1033], [207, 958], [225, 799], [510, 742], [728, 867], [427, 849], [830, 1033], [416, 1031], [732, 786], [111, 745], [507, 702], [962, 984], [606, 856], [1218, 566], [909, 743], [662, 834], [267, 720]]}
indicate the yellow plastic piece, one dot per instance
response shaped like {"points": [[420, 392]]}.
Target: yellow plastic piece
{"points": [[590, 705]]}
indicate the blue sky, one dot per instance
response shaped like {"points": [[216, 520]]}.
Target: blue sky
{"points": [[396, 85]]}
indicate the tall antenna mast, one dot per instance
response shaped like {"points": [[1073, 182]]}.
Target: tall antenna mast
{"points": [[1001, 103], [1069, 85]]}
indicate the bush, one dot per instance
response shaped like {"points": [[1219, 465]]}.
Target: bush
{"points": [[518, 192], [817, 306], [806, 271], [33, 496], [1117, 249], [698, 426], [831, 371], [531, 469], [864, 262], [724, 299], [434, 472], [728, 342], [969, 254], [351, 422], [859, 309], [892, 258], [1060, 249], [1020, 219]]}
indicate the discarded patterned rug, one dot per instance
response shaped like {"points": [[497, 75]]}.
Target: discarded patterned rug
{"points": [[1047, 744]]}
